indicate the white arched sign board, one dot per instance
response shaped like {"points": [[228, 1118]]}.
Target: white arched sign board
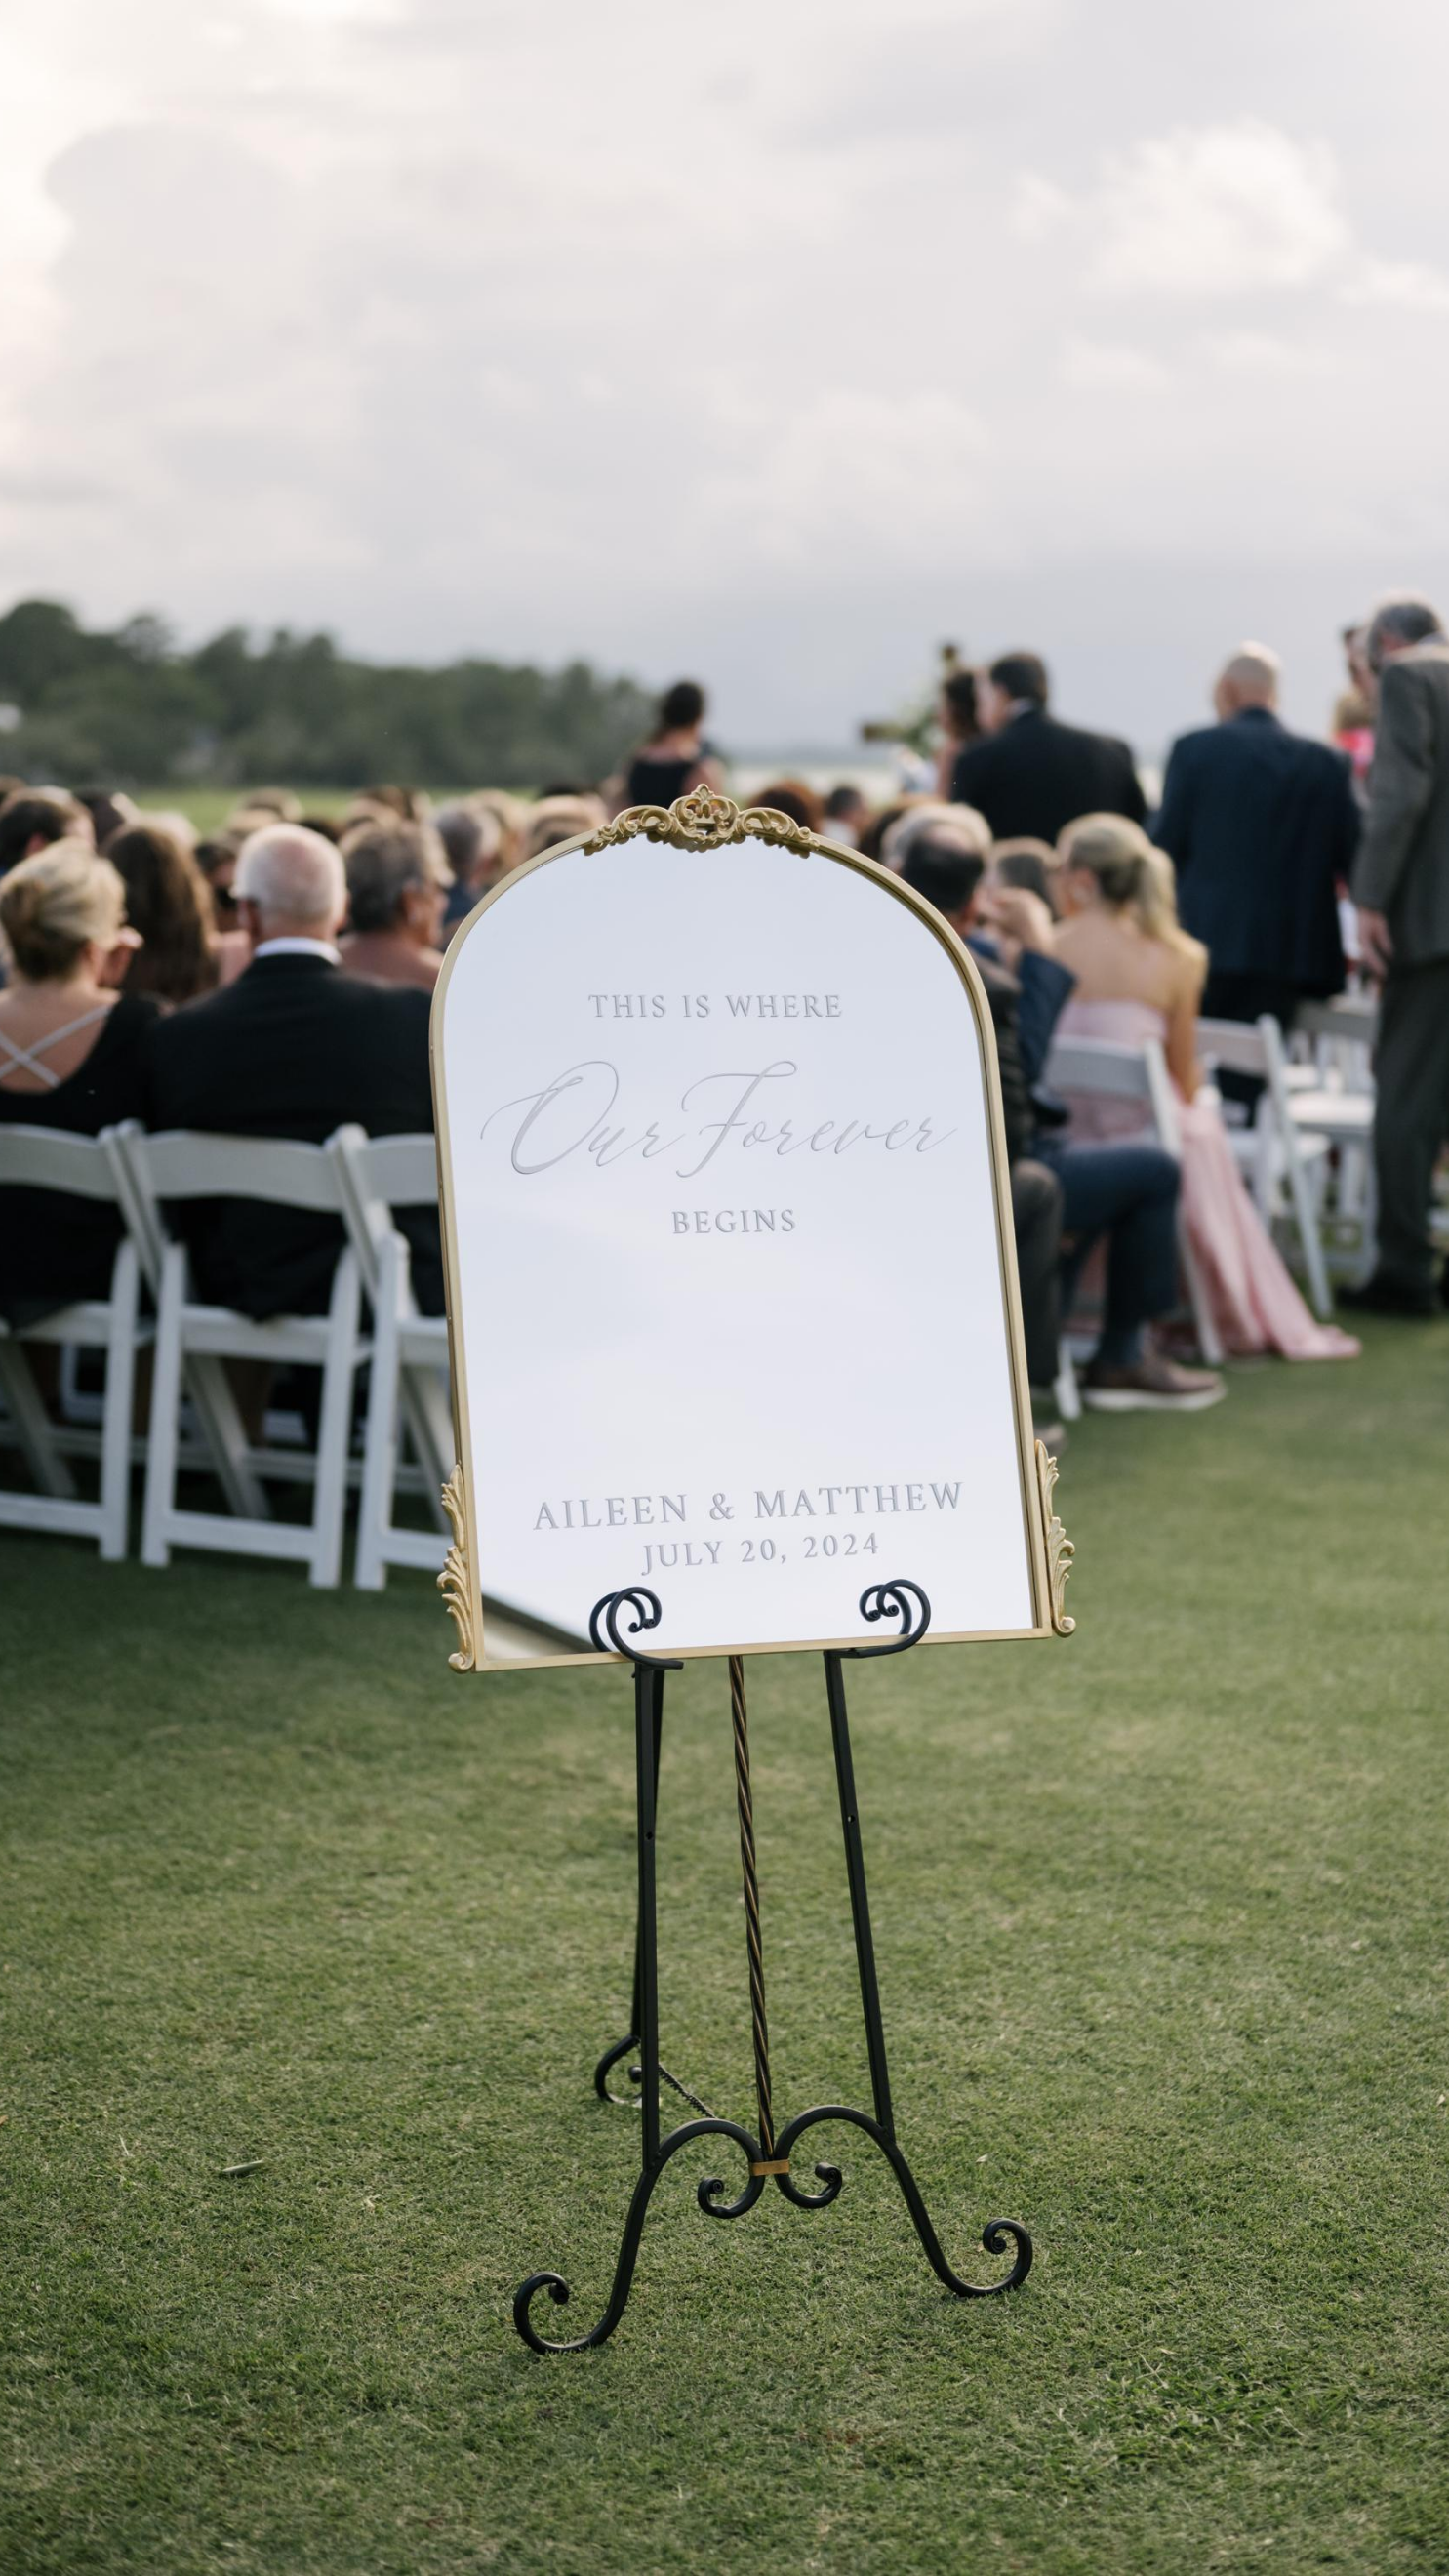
{"points": [[732, 1291]]}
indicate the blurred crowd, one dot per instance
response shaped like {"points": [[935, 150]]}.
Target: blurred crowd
{"points": [[272, 977]]}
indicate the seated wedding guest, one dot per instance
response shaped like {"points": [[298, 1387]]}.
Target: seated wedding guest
{"points": [[34, 818], [72, 1055], [846, 815], [168, 903], [1138, 975], [279, 804], [1032, 774], [941, 864], [1261, 825], [791, 796], [327, 824], [559, 818], [472, 839], [510, 813], [882, 822], [1125, 1194], [110, 811], [956, 717], [1028, 863], [676, 757], [217, 861], [397, 890], [293, 1048]]}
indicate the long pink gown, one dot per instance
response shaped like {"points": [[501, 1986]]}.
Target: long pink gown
{"points": [[1255, 1304]]}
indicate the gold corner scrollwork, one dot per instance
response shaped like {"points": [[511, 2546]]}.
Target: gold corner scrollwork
{"points": [[704, 821], [1060, 1551], [454, 1582]]}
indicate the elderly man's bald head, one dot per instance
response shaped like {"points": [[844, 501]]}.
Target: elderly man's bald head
{"points": [[1250, 679], [293, 881]]}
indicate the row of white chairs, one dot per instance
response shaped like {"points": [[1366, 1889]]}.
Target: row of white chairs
{"points": [[194, 1418]]}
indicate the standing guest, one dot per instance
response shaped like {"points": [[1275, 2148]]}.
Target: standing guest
{"points": [[293, 1048], [397, 886], [1401, 886], [846, 815], [676, 758], [168, 902], [37, 816], [72, 1055], [791, 796], [1261, 825], [472, 839], [1139, 975], [1033, 775], [1354, 710], [959, 725]]}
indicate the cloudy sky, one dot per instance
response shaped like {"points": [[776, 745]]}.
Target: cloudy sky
{"points": [[774, 343]]}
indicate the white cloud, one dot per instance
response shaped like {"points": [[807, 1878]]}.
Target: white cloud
{"points": [[1407, 283], [1099, 366], [1217, 210]]}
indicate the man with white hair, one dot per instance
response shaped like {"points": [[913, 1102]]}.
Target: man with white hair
{"points": [[1262, 825], [293, 1048]]}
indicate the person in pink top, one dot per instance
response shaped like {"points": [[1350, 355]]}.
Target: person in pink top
{"points": [[1139, 975]]}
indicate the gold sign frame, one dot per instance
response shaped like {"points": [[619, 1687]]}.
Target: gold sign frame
{"points": [[705, 821]]}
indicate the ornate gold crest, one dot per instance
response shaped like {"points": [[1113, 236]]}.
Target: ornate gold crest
{"points": [[453, 1582], [703, 821], [1059, 1549]]}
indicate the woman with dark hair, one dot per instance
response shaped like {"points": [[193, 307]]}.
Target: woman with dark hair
{"points": [[169, 902], [676, 758], [791, 796]]}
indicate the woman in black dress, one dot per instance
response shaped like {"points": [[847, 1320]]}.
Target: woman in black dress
{"points": [[676, 757], [73, 1055]]}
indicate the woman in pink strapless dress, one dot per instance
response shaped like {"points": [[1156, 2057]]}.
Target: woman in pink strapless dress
{"points": [[1140, 976]]}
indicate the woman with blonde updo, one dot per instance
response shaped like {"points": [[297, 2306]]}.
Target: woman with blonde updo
{"points": [[1139, 975], [72, 1054]]}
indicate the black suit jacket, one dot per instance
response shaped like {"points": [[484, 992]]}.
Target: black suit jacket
{"points": [[1037, 775], [294, 1047], [1261, 824]]}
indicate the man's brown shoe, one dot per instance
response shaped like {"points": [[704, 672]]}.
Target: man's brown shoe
{"points": [[1152, 1385]]}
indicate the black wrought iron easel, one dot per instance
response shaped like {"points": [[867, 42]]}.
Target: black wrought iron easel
{"points": [[768, 2154]]}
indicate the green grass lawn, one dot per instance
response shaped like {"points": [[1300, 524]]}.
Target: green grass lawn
{"points": [[1163, 1948]]}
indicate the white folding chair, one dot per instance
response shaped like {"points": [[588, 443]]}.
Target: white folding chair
{"points": [[46, 1158], [1279, 1149], [409, 1350], [1334, 1100], [182, 1165], [1103, 1069]]}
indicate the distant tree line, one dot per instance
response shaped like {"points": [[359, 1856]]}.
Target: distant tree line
{"points": [[131, 708]]}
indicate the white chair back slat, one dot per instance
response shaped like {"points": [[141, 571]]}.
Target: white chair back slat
{"points": [[180, 1164], [49, 1158], [410, 1352]]}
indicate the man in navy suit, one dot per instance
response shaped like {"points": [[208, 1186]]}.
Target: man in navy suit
{"points": [[1262, 826]]}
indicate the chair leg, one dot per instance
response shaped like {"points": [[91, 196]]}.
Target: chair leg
{"points": [[160, 1502], [334, 1427], [1067, 1392], [224, 1433], [120, 1388], [1306, 1219], [379, 1464], [1207, 1332], [33, 1424]]}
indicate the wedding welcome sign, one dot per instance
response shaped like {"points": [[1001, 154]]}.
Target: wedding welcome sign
{"points": [[731, 1282]]}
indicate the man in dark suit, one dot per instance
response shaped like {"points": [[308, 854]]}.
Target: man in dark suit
{"points": [[1032, 775], [296, 1048], [1262, 827], [1401, 886]]}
